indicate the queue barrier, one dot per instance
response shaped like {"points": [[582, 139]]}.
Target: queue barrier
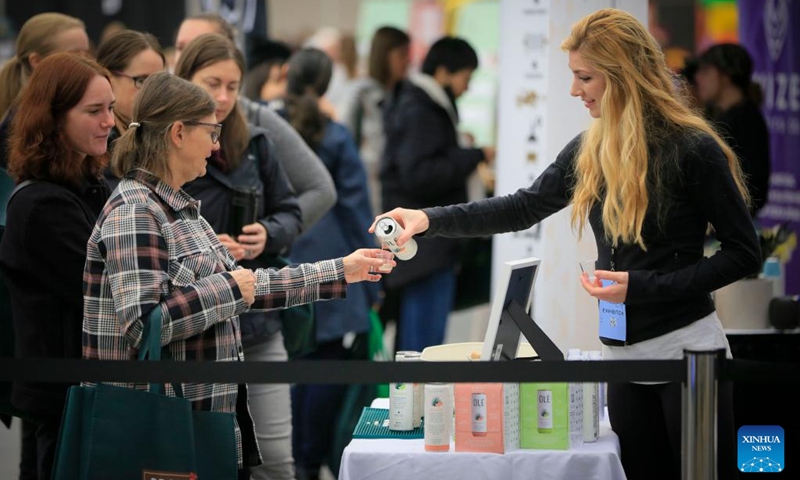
{"points": [[699, 372]]}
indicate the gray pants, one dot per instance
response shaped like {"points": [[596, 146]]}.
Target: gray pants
{"points": [[270, 406]]}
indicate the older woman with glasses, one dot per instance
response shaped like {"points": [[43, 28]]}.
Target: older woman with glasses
{"points": [[245, 172], [131, 57], [151, 249]]}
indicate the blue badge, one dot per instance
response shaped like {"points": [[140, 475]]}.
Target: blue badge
{"points": [[760, 449], [613, 323]]}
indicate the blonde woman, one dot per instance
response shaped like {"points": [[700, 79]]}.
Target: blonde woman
{"points": [[648, 175], [40, 36]]}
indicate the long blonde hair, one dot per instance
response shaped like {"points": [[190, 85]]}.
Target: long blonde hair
{"points": [[38, 36], [641, 102]]}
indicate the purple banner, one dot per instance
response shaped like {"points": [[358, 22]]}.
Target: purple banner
{"points": [[766, 30]]}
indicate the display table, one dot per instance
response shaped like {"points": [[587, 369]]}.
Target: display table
{"points": [[388, 459]]}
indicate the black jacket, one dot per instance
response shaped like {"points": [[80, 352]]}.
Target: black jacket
{"points": [[278, 211], [669, 285], [423, 166], [745, 129], [42, 257]]}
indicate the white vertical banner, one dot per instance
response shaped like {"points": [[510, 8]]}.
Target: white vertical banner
{"points": [[537, 118]]}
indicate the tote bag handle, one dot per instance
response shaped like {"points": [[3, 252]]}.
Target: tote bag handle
{"points": [[150, 349]]}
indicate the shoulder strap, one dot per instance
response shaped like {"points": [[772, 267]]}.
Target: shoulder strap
{"points": [[18, 188], [259, 145], [253, 112]]}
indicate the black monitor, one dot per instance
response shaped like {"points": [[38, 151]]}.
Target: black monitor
{"points": [[511, 317]]}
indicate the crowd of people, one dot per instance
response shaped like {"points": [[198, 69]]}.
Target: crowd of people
{"points": [[292, 156]]}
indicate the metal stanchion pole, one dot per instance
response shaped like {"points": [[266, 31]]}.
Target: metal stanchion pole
{"points": [[699, 441]]}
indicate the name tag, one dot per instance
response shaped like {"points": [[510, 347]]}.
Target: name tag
{"points": [[613, 322]]}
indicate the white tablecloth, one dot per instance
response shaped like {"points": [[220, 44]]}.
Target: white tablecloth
{"points": [[387, 459]]}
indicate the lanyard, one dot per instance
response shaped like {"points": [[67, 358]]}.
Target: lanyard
{"points": [[613, 250]]}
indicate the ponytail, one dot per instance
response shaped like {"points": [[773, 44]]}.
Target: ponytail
{"points": [[125, 156], [11, 81], [306, 117]]}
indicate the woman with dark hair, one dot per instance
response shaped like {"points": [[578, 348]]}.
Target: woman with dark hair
{"points": [[307, 175], [733, 101], [315, 408], [130, 57], [362, 114], [58, 151], [266, 80], [245, 171]]}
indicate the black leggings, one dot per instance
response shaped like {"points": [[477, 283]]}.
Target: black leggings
{"points": [[647, 419]]}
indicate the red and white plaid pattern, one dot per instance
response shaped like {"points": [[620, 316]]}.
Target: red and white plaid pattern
{"points": [[151, 249]]}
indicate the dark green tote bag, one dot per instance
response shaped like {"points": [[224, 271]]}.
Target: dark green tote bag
{"points": [[122, 433], [298, 324]]}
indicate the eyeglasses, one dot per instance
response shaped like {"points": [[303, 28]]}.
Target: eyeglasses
{"points": [[138, 81], [214, 133]]}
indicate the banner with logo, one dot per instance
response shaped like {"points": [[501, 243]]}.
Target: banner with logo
{"points": [[766, 29]]}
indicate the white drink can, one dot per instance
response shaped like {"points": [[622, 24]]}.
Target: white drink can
{"points": [[438, 416], [479, 414], [401, 403], [388, 231], [419, 408]]}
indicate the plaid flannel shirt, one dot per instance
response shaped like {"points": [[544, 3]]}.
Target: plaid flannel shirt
{"points": [[151, 249]]}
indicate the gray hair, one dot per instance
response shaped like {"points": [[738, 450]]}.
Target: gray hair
{"points": [[163, 100]]}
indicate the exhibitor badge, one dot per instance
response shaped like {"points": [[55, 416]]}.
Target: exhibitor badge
{"points": [[760, 449]]}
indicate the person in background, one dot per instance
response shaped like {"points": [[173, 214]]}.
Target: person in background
{"points": [[362, 114], [687, 74], [344, 324], [424, 165], [130, 57], [58, 141], [40, 36], [329, 40], [112, 29], [725, 84], [266, 80], [245, 163], [310, 180], [151, 249], [649, 175]]}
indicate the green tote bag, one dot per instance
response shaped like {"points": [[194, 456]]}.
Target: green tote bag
{"points": [[122, 433]]}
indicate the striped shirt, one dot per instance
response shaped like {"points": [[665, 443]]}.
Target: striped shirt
{"points": [[151, 249]]}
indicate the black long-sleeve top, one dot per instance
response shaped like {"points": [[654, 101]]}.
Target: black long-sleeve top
{"points": [[744, 128], [42, 257], [669, 284]]}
